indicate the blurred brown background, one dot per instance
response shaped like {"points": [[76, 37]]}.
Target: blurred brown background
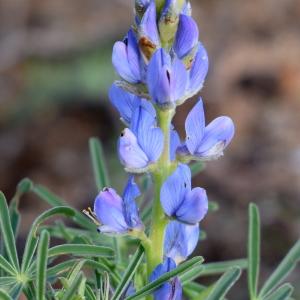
{"points": [[55, 69]]}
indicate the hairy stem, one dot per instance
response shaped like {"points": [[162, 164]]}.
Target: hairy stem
{"points": [[164, 166]]}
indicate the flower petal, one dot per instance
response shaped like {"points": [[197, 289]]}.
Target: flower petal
{"points": [[130, 153], [158, 77], [167, 266], [121, 64], [178, 80], [133, 54], [198, 70], [108, 208], [124, 102], [217, 135], [175, 143], [194, 127], [149, 137], [174, 189], [180, 240], [194, 207], [130, 210], [171, 290], [187, 35]]}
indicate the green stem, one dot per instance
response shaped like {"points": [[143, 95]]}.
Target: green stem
{"points": [[164, 167]]}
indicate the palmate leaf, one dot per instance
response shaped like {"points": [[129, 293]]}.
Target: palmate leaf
{"points": [[41, 270], [7, 233], [150, 287], [224, 284], [129, 273], [253, 250], [287, 265], [7, 267]]}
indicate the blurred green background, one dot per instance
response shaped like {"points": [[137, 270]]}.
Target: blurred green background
{"points": [[55, 70]]}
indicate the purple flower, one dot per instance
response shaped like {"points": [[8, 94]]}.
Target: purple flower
{"points": [[142, 144], [126, 58], [126, 103], [171, 290], [186, 37], [118, 215], [166, 78], [180, 201], [148, 34], [206, 142], [180, 240]]}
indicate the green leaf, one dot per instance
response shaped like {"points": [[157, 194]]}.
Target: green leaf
{"points": [[98, 162], [55, 201], [213, 206], [197, 167], [7, 233], [224, 284], [7, 267], [190, 275], [221, 267], [65, 266], [150, 287], [24, 186], [287, 265], [81, 250], [89, 293], [7, 280], [32, 239], [4, 295], [42, 259], [15, 216], [16, 290], [73, 288], [129, 273], [253, 250], [282, 293], [193, 289]]}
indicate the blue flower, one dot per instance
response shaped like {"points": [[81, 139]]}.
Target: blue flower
{"points": [[166, 78], [118, 215], [126, 103], [206, 142], [174, 143], [186, 37], [149, 39], [142, 144], [198, 71], [180, 201], [180, 240], [126, 58], [171, 290]]}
